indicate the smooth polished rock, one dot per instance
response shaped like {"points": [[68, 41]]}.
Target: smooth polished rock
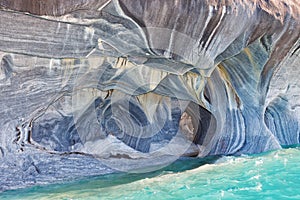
{"points": [[96, 87]]}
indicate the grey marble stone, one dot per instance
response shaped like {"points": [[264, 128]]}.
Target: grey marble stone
{"points": [[97, 87]]}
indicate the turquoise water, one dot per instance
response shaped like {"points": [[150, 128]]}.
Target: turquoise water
{"points": [[272, 175]]}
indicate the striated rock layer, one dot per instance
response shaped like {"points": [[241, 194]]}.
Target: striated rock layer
{"points": [[94, 87]]}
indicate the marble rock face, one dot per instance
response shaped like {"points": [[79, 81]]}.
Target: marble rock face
{"points": [[94, 87]]}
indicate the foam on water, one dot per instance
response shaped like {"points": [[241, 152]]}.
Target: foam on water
{"points": [[273, 175]]}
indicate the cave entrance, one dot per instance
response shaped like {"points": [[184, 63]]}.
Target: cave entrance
{"points": [[204, 125]]}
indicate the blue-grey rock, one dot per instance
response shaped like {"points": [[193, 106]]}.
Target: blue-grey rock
{"points": [[96, 87]]}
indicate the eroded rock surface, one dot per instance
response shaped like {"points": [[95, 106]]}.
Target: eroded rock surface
{"points": [[94, 87]]}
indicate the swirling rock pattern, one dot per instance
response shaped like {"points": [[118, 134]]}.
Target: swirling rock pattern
{"points": [[90, 85]]}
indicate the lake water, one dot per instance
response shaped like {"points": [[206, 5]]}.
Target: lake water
{"points": [[272, 175]]}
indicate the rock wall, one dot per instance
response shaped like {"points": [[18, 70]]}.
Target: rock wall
{"points": [[94, 87]]}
